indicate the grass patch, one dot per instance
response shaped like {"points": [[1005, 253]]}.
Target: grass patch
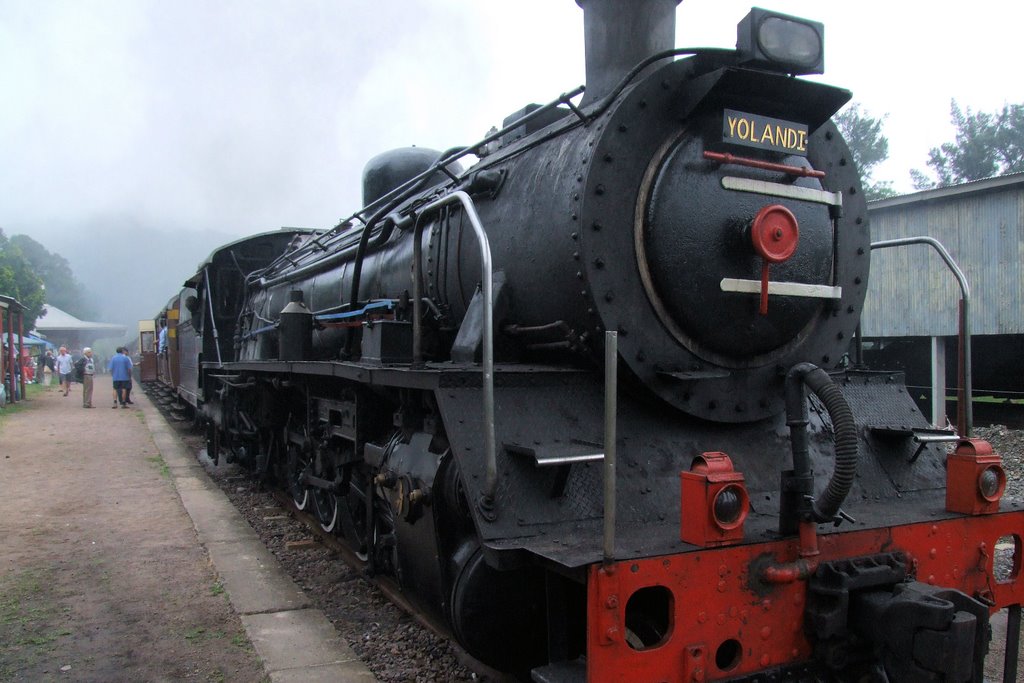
{"points": [[241, 641], [195, 634], [217, 589], [1000, 400], [26, 403], [158, 460], [10, 409], [200, 634], [29, 618]]}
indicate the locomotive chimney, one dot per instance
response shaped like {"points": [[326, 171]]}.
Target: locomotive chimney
{"points": [[619, 34]]}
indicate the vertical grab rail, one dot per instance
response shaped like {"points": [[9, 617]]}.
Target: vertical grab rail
{"points": [[1011, 655], [213, 320], [491, 485], [965, 325], [611, 388]]}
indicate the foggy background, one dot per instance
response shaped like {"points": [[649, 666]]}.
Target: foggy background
{"points": [[137, 135]]}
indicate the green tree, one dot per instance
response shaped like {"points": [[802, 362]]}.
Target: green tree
{"points": [[62, 289], [986, 145], [19, 281], [863, 134]]}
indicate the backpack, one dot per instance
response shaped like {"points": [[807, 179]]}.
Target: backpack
{"points": [[79, 369]]}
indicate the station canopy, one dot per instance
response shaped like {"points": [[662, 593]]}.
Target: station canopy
{"points": [[63, 328]]}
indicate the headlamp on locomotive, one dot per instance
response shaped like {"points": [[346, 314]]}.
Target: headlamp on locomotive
{"points": [[781, 43]]}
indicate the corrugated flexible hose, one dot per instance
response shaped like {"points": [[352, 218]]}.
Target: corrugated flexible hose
{"points": [[817, 380]]}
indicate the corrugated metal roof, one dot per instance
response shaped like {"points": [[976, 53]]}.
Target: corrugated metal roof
{"points": [[971, 187], [981, 224]]}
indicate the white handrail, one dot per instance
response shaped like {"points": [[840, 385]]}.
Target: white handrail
{"points": [[490, 454]]}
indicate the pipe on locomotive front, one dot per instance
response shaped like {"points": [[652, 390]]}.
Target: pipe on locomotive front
{"points": [[618, 35]]}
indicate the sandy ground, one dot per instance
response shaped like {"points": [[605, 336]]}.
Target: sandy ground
{"points": [[102, 577]]}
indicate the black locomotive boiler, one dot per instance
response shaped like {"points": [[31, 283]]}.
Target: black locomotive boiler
{"points": [[584, 398]]}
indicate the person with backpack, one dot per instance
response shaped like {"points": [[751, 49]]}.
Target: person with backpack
{"points": [[85, 369]]}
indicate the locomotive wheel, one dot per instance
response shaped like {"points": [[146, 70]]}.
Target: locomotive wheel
{"points": [[495, 614], [352, 511], [325, 505], [296, 467], [385, 543]]}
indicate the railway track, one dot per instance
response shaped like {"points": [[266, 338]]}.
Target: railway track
{"points": [[377, 623], [389, 588]]}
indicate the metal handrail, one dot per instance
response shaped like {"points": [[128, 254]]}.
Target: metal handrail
{"points": [[213, 318], [490, 454], [611, 407], [964, 325], [401, 193]]}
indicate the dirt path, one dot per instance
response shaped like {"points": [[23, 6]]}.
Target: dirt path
{"points": [[102, 577]]}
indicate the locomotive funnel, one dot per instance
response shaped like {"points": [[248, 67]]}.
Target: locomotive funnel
{"points": [[618, 35]]}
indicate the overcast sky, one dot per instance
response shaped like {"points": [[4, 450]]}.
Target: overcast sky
{"points": [[229, 117]]}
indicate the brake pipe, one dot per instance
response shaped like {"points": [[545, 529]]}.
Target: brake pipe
{"points": [[802, 568]]}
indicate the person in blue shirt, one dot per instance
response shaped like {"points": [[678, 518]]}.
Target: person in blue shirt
{"points": [[120, 366]]}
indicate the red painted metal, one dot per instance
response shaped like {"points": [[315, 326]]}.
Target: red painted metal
{"points": [[774, 234], [718, 603], [961, 375], [764, 289], [3, 360], [726, 158], [21, 350], [9, 360], [710, 475], [964, 468], [804, 567]]}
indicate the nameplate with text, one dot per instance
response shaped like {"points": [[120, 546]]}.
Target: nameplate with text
{"points": [[764, 132]]}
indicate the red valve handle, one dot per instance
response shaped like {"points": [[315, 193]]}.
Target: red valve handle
{"points": [[775, 234]]}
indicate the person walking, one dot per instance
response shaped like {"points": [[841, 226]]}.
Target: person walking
{"points": [[45, 368], [88, 372], [50, 368], [64, 367], [121, 373]]}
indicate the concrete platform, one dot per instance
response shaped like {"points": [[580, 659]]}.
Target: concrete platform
{"points": [[295, 641]]}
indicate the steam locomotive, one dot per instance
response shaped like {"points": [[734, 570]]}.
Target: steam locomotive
{"points": [[586, 399]]}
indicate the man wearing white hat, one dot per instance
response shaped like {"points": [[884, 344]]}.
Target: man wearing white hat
{"points": [[88, 370]]}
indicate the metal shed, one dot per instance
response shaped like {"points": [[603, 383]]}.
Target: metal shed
{"points": [[912, 298], [982, 225]]}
